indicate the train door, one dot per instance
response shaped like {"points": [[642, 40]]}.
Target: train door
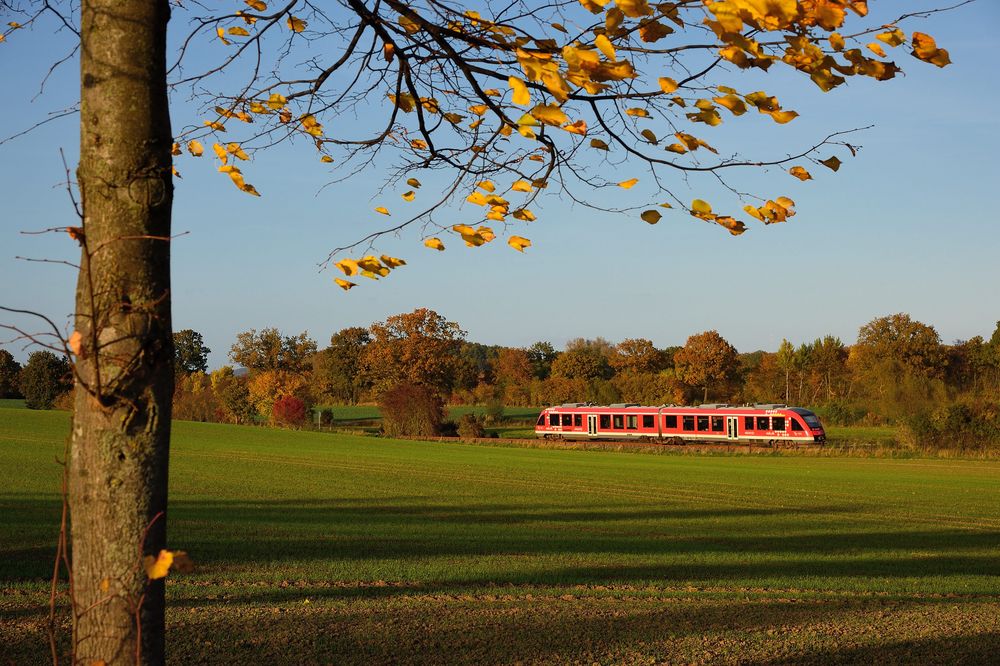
{"points": [[592, 424], [732, 423]]}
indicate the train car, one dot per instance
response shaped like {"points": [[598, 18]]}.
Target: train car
{"points": [[770, 424]]}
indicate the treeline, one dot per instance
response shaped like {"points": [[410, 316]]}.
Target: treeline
{"points": [[898, 372]]}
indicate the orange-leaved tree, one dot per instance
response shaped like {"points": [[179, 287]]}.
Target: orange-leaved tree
{"points": [[508, 102]]}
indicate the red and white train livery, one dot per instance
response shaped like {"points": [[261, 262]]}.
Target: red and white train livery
{"points": [[770, 424]]}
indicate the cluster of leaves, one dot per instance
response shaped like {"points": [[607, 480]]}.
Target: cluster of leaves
{"points": [[513, 98]]}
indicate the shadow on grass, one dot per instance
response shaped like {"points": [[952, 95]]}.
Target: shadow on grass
{"points": [[695, 545]]}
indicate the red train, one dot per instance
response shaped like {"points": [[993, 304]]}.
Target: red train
{"points": [[769, 424]]}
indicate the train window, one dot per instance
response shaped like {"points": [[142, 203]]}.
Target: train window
{"points": [[796, 426], [689, 423], [632, 422], [541, 420], [567, 420], [748, 423], [718, 424], [553, 419], [578, 420], [702, 423], [605, 421], [648, 421], [763, 422], [778, 423], [670, 421], [619, 421]]}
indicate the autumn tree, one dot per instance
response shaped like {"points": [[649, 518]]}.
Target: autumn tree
{"points": [[419, 347], [10, 371], [636, 355], [584, 359], [511, 100], [513, 373], [542, 354], [270, 350], [706, 361], [190, 352]]}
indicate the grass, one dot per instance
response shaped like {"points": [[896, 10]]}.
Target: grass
{"points": [[320, 548]]}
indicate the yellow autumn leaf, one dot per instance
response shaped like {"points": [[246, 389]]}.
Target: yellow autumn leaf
{"points": [[477, 198], [836, 41], [604, 45], [382, 209], [276, 101], [701, 207], [369, 263], [877, 49], [250, 189], [627, 184], [521, 95], [348, 267], [463, 229], [295, 24], [637, 112], [221, 34], [408, 196], [782, 117], [521, 186], [577, 127], [175, 149], [157, 567], [215, 125], [651, 216], [677, 148], [649, 136], [800, 173], [238, 31], [326, 159], [220, 152], [235, 150], [925, 48], [487, 186], [75, 342], [195, 148], [524, 215], [256, 4], [173, 170], [667, 84], [392, 262], [550, 114], [518, 243], [597, 143], [413, 182], [434, 244], [892, 38], [344, 284]]}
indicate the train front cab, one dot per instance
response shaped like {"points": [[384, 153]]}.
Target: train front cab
{"points": [[811, 422]]}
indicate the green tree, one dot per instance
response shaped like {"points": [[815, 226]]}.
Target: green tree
{"points": [[10, 375], [190, 352], [43, 378], [895, 347], [269, 350], [786, 360], [541, 355], [583, 359], [336, 370], [706, 361]]}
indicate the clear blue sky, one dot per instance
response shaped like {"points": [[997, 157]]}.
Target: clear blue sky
{"points": [[910, 225]]}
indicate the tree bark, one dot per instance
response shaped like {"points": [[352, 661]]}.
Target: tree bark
{"points": [[121, 423]]}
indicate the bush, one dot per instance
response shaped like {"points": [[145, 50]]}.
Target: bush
{"points": [[471, 426], [289, 411], [411, 409], [43, 378], [961, 426]]}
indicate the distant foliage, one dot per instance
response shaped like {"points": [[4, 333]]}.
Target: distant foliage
{"points": [[194, 399], [43, 378], [10, 375], [969, 426], [289, 411], [411, 409], [471, 426]]}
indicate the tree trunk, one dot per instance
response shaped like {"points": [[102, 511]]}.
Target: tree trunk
{"points": [[121, 422]]}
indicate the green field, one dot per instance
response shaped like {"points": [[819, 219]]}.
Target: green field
{"points": [[322, 548]]}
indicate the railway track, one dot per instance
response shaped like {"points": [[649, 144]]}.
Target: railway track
{"points": [[614, 444]]}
